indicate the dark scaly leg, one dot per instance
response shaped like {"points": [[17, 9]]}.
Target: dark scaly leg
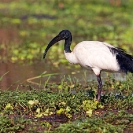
{"points": [[99, 87]]}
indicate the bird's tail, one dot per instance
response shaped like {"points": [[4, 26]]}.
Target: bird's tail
{"points": [[125, 60]]}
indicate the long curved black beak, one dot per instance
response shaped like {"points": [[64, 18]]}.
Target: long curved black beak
{"points": [[52, 42]]}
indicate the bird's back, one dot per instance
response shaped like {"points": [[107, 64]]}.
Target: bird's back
{"points": [[96, 55]]}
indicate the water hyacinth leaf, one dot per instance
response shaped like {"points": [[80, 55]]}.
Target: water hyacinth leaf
{"points": [[33, 102], [89, 112], [60, 111], [8, 106]]}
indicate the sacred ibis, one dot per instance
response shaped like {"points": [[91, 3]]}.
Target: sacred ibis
{"points": [[94, 55]]}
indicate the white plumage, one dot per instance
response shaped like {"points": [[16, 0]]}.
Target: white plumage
{"points": [[94, 55]]}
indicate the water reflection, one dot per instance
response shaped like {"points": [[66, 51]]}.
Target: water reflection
{"points": [[18, 74]]}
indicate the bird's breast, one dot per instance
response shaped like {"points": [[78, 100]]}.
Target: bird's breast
{"points": [[71, 57]]}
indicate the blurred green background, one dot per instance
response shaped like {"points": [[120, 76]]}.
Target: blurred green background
{"points": [[27, 26]]}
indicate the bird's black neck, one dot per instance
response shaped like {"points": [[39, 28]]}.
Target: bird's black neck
{"points": [[67, 44]]}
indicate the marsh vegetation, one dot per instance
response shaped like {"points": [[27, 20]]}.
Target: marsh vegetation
{"points": [[62, 98]]}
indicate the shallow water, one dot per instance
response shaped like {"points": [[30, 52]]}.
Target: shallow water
{"points": [[17, 74]]}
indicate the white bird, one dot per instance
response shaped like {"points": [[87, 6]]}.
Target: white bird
{"points": [[94, 55]]}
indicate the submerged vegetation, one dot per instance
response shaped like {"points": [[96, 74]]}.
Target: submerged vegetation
{"points": [[26, 27]]}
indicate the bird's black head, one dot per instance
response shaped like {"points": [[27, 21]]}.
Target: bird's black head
{"points": [[63, 35]]}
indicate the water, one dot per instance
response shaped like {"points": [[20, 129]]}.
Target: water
{"points": [[17, 74]]}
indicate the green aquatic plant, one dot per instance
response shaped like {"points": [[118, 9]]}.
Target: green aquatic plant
{"points": [[81, 111], [30, 32]]}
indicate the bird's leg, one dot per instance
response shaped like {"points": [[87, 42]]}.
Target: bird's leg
{"points": [[99, 87]]}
